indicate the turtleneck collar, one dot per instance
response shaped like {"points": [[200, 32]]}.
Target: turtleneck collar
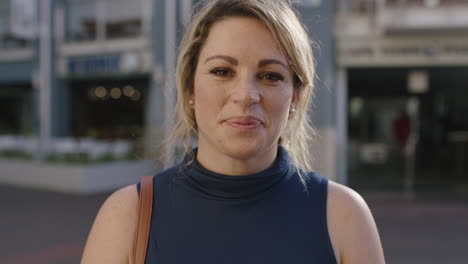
{"points": [[220, 186]]}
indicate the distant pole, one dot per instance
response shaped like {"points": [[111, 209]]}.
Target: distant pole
{"points": [[44, 77], [185, 11], [169, 86]]}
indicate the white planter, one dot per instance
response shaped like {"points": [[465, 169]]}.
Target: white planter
{"points": [[89, 178]]}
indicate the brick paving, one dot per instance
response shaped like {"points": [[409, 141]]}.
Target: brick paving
{"points": [[51, 228]]}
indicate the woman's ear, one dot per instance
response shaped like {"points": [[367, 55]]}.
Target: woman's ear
{"points": [[191, 101], [294, 99], [292, 107]]}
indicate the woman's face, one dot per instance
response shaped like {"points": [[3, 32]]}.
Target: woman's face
{"points": [[243, 91]]}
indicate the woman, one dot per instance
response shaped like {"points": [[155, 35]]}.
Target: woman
{"points": [[244, 78]]}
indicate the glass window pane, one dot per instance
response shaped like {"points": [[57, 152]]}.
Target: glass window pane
{"points": [[7, 39], [81, 22], [123, 18]]}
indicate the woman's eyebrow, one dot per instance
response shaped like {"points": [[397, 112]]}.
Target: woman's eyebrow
{"points": [[234, 61], [229, 59], [266, 62]]}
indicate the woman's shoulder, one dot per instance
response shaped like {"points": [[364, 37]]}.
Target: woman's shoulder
{"points": [[344, 197], [110, 238], [351, 226]]}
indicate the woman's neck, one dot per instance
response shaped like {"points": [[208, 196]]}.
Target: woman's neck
{"points": [[223, 163]]}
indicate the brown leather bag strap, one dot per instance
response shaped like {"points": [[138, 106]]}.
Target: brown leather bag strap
{"points": [[145, 207]]}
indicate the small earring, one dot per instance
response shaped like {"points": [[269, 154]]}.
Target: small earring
{"points": [[190, 102], [292, 110]]}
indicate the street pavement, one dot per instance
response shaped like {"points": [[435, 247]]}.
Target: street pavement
{"points": [[429, 228], [51, 228]]}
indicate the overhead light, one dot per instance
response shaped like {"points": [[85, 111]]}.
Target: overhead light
{"points": [[100, 92], [115, 93], [128, 90], [418, 82]]}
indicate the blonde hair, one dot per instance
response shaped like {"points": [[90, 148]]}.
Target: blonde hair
{"points": [[290, 34]]}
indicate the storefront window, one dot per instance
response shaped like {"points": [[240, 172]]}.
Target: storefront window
{"points": [[15, 106], [108, 109], [10, 122], [89, 20]]}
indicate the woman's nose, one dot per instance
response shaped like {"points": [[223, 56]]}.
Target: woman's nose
{"points": [[246, 92]]}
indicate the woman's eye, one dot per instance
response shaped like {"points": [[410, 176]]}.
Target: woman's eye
{"points": [[273, 77], [221, 72]]}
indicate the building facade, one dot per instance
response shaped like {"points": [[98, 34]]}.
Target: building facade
{"points": [[403, 66]]}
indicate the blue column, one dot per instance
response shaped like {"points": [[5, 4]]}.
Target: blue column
{"points": [[60, 112], [154, 119]]}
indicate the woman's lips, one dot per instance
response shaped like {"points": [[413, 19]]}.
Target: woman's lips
{"points": [[244, 124]]}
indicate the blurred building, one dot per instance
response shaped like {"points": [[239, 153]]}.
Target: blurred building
{"points": [[101, 63], [77, 87], [80, 79], [404, 67], [97, 79], [16, 67]]}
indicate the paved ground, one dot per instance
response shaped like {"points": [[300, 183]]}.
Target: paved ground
{"points": [[44, 228], [48, 228], [427, 229]]}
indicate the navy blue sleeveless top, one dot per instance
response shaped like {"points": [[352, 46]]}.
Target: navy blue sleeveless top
{"points": [[202, 217]]}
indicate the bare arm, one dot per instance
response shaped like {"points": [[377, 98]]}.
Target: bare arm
{"points": [[352, 228], [111, 237]]}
